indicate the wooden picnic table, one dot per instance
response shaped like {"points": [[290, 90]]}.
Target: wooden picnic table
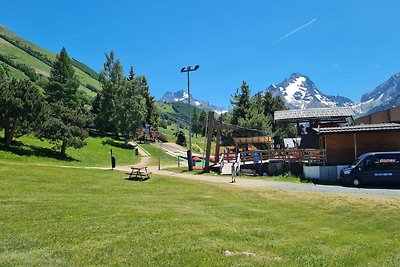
{"points": [[139, 171]]}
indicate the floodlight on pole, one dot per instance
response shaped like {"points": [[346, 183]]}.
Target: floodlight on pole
{"points": [[189, 69]]}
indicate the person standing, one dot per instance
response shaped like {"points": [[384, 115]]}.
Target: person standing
{"points": [[234, 170]]}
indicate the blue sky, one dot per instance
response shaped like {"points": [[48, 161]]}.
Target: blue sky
{"points": [[345, 47]]}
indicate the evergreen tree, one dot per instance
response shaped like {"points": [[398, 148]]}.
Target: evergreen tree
{"points": [[241, 105], [68, 117], [62, 70], [152, 113], [124, 104], [131, 74], [104, 106], [22, 107], [203, 120], [255, 118], [181, 138], [130, 109], [196, 128], [279, 130]]}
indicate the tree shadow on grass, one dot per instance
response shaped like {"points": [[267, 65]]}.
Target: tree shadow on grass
{"points": [[21, 149], [137, 179], [114, 143]]}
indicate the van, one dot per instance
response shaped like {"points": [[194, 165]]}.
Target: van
{"points": [[372, 168]]}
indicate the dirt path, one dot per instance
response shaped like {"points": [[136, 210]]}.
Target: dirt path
{"points": [[243, 181]]}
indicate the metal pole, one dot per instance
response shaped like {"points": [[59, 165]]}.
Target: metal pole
{"points": [[190, 115], [189, 152], [205, 137]]}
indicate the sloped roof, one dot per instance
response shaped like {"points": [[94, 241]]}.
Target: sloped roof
{"points": [[359, 128], [253, 140], [313, 113]]}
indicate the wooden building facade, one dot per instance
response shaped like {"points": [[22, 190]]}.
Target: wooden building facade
{"points": [[385, 116], [344, 144]]}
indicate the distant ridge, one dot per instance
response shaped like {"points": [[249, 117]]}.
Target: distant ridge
{"points": [[183, 97], [17, 51]]}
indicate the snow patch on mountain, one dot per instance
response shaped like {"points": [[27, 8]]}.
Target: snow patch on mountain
{"points": [[384, 96], [299, 92], [182, 96]]}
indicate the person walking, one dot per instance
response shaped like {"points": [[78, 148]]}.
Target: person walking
{"points": [[235, 168]]}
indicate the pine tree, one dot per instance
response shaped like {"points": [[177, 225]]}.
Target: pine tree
{"points": [[66, 126], [22, 107], [195, 122], [203, 120], [111, 78], [279, 130], [131, 74], [62, 70], [130, 109], [152, 114], [255, 118], [241, 105], [181, 138]]}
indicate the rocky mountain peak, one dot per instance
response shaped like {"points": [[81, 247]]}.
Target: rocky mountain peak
{"points": [[384, 96], [299, 92]]}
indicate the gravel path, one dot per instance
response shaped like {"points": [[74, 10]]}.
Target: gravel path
{"points": [[258, 183]]}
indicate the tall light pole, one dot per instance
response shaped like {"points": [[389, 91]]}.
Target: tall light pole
{"points": [[188, 69]]}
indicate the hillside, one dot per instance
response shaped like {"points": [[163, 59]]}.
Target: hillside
{"points": [[176, 112], [23, 56], [183, 97]]}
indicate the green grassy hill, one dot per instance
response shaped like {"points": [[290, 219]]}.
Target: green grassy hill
{"points": [[19, 52], [177, 115], [176, 112]]}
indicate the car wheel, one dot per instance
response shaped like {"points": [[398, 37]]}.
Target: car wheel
{"points": [[356, 182]]}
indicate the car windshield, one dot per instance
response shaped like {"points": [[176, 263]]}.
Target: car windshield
{"points": [[356, 162]]}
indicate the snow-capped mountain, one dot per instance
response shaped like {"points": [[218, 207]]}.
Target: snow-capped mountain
{"points": [[299, 92], [182, 96], [384, 96]]}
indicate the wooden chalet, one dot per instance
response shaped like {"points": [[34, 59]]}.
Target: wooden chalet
{"points": [[306, 119], [343, 145], [316, 117]]}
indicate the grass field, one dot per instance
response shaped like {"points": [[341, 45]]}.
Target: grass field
{"points": [[72, 217], [96, 153], [158, 154]]}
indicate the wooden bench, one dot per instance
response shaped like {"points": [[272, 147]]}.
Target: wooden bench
{"points": [[139, 172]]}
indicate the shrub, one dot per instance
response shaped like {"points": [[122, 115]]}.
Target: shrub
{"points": [[181, 139]]}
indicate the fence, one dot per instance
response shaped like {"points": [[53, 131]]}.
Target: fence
{"points": [[306, 156]]}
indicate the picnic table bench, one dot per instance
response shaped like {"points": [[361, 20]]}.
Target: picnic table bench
{"points": [[139, 172]]}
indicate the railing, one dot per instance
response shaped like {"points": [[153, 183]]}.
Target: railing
{"points": [[315, 156], [307, 156]]}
